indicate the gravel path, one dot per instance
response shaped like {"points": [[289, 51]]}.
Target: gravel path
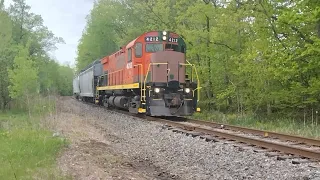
{"points": [[178, 156]]}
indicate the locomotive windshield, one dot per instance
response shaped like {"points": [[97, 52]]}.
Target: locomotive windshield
{"points": [[175, 47], [154, 47]]}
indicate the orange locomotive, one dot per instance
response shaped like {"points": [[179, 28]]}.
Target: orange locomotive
{"points": [[148, 75]]}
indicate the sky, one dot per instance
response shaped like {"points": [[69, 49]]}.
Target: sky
{"points": [[66, 19]]}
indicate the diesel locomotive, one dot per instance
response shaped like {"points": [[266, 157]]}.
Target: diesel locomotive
{"points": [[148, 75]]}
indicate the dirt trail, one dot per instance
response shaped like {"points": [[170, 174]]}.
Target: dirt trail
{"points": [[90, 154]]}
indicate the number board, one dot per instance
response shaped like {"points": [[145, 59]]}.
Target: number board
{"points": [[151, 39], [175, 40]]}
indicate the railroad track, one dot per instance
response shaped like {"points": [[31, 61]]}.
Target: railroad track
{"points": [[262, 133], [297, 147], [280, 144]]}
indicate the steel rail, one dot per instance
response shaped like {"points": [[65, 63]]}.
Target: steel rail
{"points": [[239, 138], [315, 155], [308, 141]]}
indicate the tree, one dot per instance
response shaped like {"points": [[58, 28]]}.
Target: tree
{"points": [[23, 78], [24, 36], [98, 38], [5, 52], [65, 78]]}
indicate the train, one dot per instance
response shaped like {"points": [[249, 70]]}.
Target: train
{"points": [[150, 75]]}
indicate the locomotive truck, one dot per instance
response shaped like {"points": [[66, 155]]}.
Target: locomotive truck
{"points": [[148, 75]]}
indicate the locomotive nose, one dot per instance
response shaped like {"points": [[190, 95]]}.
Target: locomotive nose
{"points": [[168, 68]]}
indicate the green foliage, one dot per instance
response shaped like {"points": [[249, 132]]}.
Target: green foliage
{"points": [[24, 46], [5, 52], [98, 38], [55, 78], [23, 77], [65, 79]]}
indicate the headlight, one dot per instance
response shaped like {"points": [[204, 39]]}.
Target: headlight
{"points": [[164, 38], [187, 90], [164, 33], [156, 90]]}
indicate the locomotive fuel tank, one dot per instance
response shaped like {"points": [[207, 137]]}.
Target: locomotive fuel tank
{"points": [[118, 101], [110, 100]]}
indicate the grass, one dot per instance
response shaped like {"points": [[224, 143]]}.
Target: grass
{"points": [[27, 151], [279, 124]]}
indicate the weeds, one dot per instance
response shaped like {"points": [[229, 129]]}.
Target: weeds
{"points": [[27, 149]]}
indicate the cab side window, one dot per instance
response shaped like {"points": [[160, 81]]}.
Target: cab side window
{"points": [[130, 55], [138, 50]]}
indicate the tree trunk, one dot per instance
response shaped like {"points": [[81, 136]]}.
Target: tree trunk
{"points": [[269, 112]]}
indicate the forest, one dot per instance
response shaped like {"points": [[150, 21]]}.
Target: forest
{"points": [[27, 71], [253, 56]]}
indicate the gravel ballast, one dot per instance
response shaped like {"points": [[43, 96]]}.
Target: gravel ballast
{"points": [[186, 157]]}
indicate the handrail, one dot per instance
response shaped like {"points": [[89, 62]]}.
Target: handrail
{"points": [[198, 81], [140, 79], [111, 73], [191, 70], [120, 70], [183, 64]]}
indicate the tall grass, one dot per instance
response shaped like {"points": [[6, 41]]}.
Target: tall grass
{"points": [[37, 106], [26, 149], [275, 124]]}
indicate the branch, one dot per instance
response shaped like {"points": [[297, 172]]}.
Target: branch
{"points": [[214, 2], [272, 26], [222, 44], [119, 30], [157, 15], [318, 28], [302, 35], [21, 25], [1, 4]]}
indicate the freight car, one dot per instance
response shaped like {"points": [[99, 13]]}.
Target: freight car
{"points": [[76, 87], [148, 75], [84, 85]]}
